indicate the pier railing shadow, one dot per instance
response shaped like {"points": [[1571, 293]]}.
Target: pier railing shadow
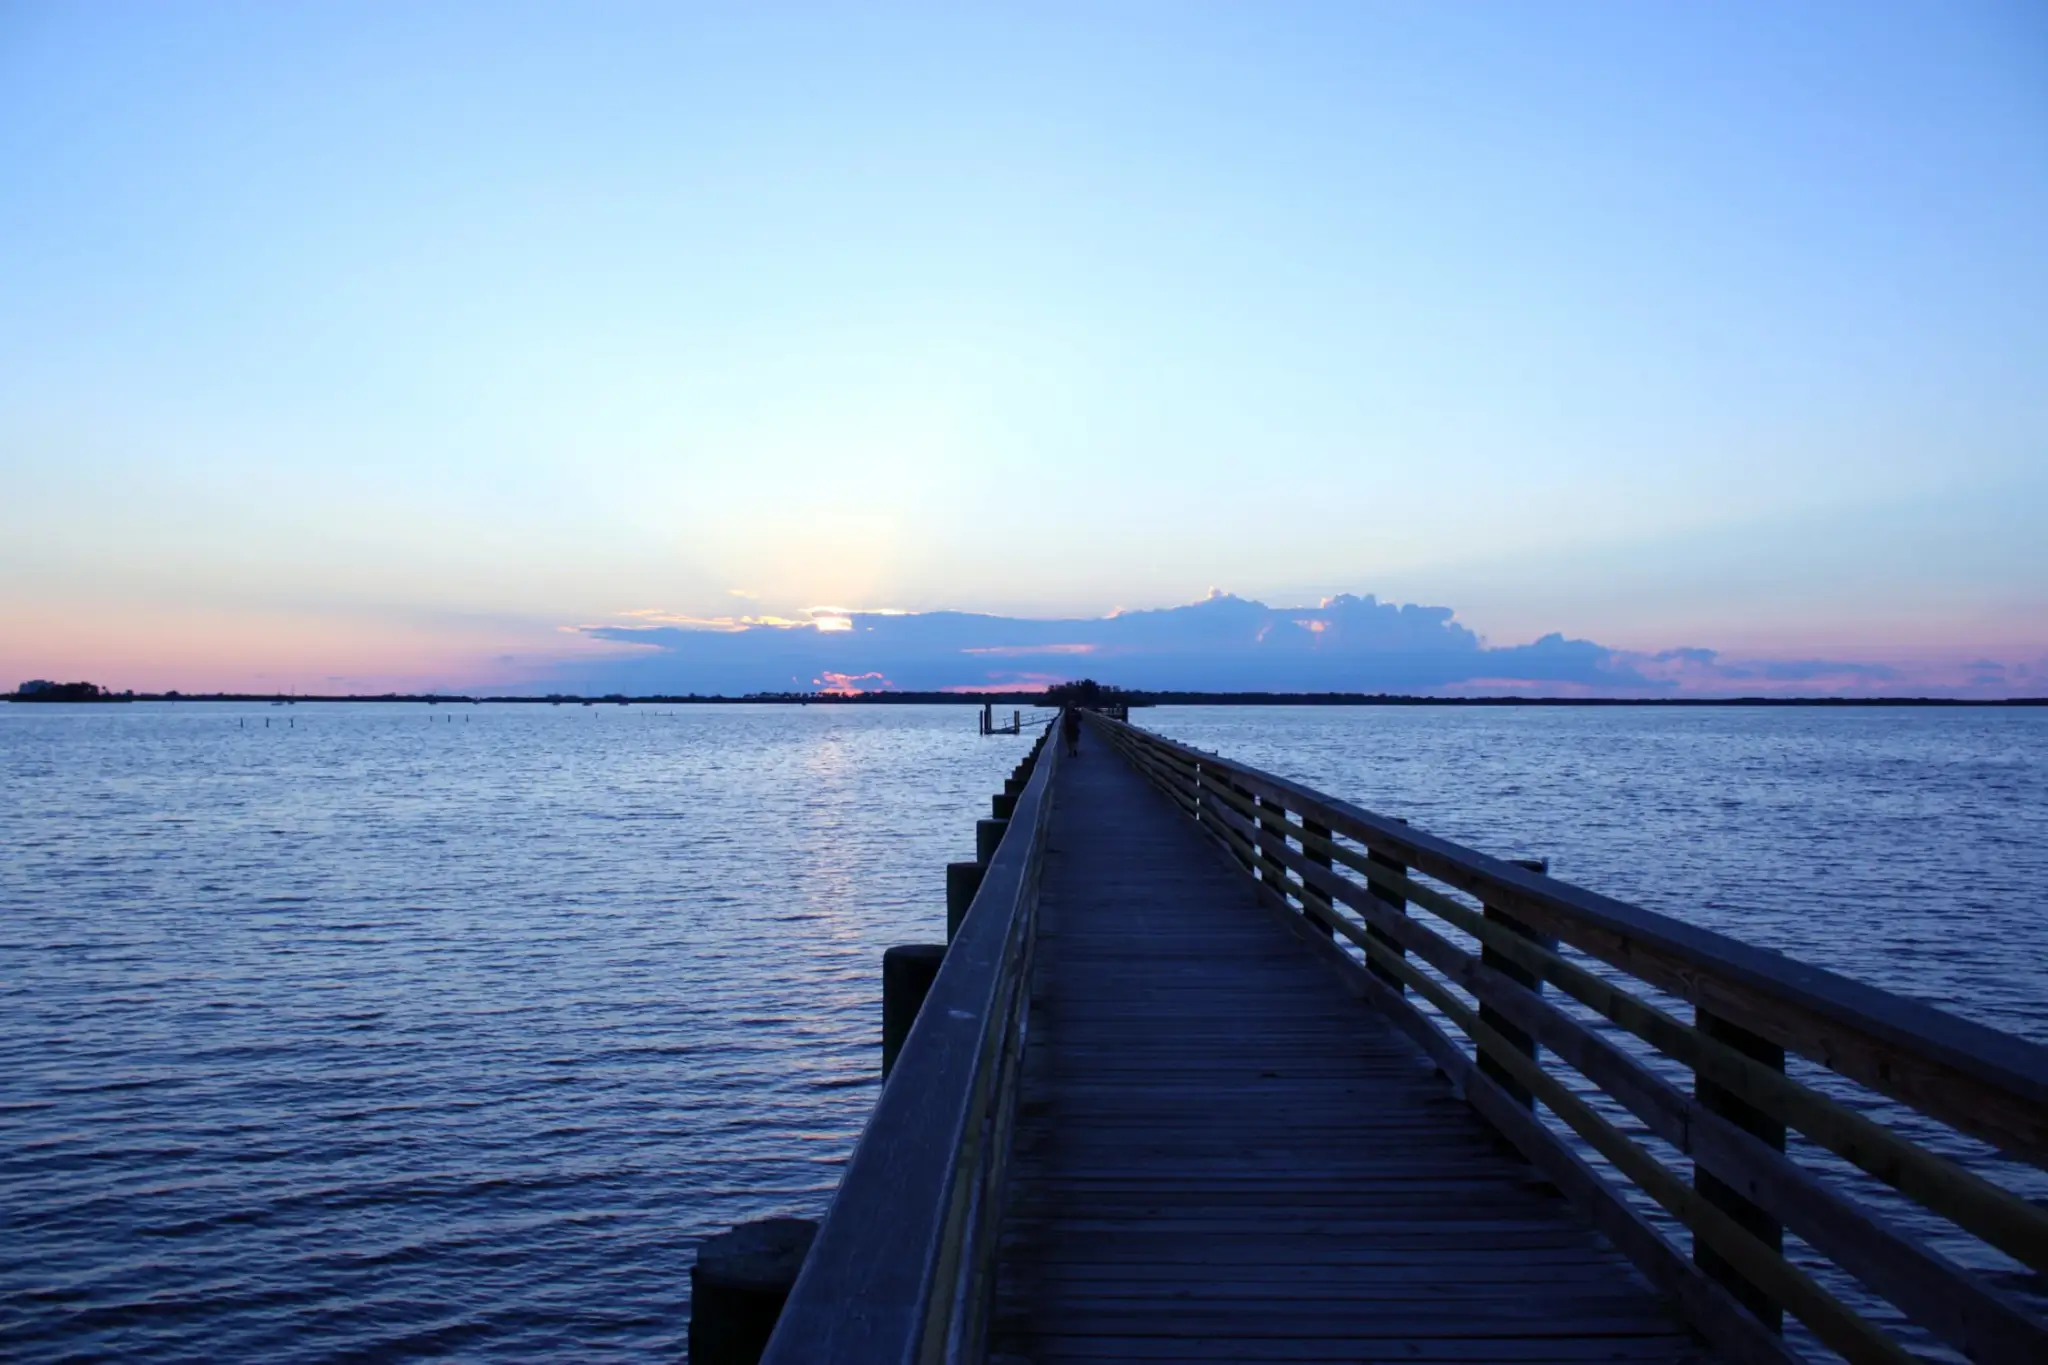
{"points": [[1542, 1069]]}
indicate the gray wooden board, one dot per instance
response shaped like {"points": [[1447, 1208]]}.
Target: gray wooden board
{"points": [[1222, 1154]]}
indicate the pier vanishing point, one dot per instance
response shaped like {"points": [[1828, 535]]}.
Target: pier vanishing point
{"points": [[1219, 1068]]}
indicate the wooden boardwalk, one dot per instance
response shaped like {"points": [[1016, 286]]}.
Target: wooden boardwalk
{"points": [[1222, 1154]]}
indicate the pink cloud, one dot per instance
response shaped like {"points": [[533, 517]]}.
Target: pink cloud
{"points": [[845, 684]]}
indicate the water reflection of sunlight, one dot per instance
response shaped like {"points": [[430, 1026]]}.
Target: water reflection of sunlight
{"points": [[837, 766]]}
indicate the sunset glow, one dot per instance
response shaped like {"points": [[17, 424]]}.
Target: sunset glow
{"points": [[344, 350]]}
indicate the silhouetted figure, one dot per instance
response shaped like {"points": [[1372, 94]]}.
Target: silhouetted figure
{"points": [[1070, 729]]}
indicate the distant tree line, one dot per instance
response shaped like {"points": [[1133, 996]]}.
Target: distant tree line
{"points": [[41, 689]]}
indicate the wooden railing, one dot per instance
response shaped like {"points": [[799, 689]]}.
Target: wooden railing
{"points": [[901, 1269], [1355, 876]]}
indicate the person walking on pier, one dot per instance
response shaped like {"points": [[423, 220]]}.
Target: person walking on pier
{"points": [[1070, 729]]}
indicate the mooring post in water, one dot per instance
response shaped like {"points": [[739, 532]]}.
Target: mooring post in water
{"points": [[738, 1285], [907, 974], [1513, 971], [1750, 1217], [962, 881], [987, 835]]}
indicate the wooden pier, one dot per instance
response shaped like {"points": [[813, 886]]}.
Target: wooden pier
{"points": [[1171, 1098], [1201, 1169]]}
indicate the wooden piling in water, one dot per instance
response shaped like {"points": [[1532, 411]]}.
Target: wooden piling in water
{"points": [[907, 974], [962, 881], [738, 1285]]}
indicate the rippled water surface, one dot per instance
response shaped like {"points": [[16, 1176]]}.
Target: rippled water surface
{"points": [[377, 1032], [334, 1032]]}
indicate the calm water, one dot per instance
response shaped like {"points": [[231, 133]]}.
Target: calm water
{"points": [[396, 1031], [406, 1031]]}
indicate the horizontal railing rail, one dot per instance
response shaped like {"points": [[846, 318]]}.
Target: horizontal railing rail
{"points": [[902, 1267], [1354, 875]]}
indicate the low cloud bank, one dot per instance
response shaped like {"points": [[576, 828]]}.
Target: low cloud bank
{"points": [[1224, 643]]}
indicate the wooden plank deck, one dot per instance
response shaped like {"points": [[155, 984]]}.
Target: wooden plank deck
{"points": [[1221, 1154]]}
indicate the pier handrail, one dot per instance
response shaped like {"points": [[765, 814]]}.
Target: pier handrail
{"points": [[902, 1265], [1351, 873]]}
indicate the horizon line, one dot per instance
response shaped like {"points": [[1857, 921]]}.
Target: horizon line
{"points": [[1144, 698]]}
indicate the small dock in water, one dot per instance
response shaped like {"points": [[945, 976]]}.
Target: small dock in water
{"points": [[1171, 1096]]}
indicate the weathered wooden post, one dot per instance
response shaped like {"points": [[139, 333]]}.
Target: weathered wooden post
{"points": [[962, 881], [987, 835], [1247, 859], [1308, 890], [908, 971], [1272, 822], [1394, 901], [738, 1285], [1752, 1219], [1508, 967]]}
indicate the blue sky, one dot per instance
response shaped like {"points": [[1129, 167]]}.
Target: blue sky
{"points": [[422, 344]]}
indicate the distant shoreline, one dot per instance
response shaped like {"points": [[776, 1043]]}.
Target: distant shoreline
{"points": [[1021, 700]]}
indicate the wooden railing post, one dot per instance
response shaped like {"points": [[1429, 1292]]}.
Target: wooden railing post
{"points": [[1308, 892], [1223, 780], [1753, 1220], [1272, 820], [1520, 1038], [1394, 901]]}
